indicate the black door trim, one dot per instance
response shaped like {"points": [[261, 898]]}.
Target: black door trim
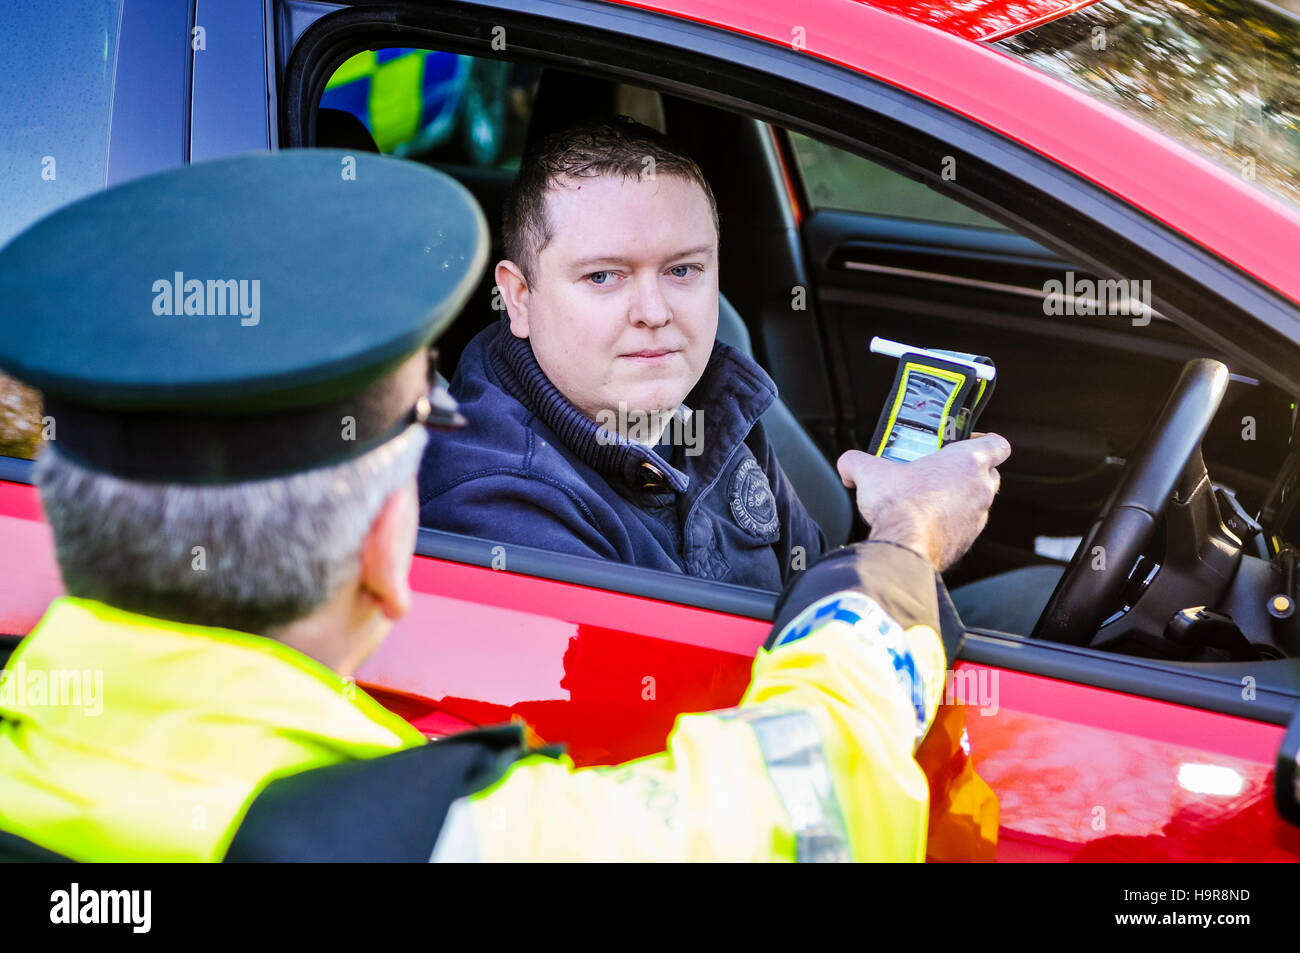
{"points": [[607, 575]]}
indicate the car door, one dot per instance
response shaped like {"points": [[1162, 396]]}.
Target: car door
{"points": [[1082, 771]]}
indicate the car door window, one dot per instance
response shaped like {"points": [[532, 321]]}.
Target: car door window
{"points": [[836, 179]]}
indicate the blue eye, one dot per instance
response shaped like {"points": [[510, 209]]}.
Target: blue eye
{"points": [[596, 277], [685, 269]]}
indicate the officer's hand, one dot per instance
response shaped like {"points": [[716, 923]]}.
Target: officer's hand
{"points": [[936, 505]]}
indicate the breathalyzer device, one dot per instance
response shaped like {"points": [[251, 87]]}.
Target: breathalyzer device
{"points": [[937, 398]]}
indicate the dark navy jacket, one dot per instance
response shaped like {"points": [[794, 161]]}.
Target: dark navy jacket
{"points": [[530, 469]]}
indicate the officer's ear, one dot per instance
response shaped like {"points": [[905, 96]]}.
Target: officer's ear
{"points": [[387, 551], [514, 295]]}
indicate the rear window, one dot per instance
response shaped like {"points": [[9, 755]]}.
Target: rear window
{"points": [[1220, 76], [837, 179]]}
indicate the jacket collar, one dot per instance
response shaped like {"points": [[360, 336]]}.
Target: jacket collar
{"points": [[730, 396]]}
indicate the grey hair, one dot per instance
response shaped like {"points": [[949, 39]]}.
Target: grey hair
{"points": [[248, 556]]}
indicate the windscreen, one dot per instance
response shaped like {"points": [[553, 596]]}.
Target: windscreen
{"points": [[1220, 76]]}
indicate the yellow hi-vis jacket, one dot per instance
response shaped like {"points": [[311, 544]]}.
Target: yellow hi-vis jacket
{"points": [[816, 763], [131, 738]]}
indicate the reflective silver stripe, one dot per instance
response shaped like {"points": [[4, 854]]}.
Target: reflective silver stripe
{"points": [[872, 625], [792, 750], [457, 841]]}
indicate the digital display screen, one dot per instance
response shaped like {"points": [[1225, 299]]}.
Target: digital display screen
{"points": [[925, 397], [916, 428], [905, 443]]}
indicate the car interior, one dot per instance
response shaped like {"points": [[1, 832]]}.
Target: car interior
{"points": [[822, 249]]}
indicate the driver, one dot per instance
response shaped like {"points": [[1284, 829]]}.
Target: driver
{"points": [[605, 418]]}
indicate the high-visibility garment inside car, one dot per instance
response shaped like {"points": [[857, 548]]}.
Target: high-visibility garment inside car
{"points": [[815, 764]]}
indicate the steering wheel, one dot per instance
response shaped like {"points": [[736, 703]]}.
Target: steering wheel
{"points": [[1085, 596]]}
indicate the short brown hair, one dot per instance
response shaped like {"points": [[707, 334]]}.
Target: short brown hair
{"points": [[621, 146]]}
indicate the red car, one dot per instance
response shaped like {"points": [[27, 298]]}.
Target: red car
{"points": [[1102, 197]]}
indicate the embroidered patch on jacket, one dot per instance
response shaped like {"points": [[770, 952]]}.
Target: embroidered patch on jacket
{"points": [[752, 501]]}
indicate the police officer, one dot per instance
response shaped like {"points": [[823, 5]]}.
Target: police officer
{"points": [[237, 397]]}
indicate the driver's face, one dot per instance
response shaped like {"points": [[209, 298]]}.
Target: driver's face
{"points": [[623, 307]]}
